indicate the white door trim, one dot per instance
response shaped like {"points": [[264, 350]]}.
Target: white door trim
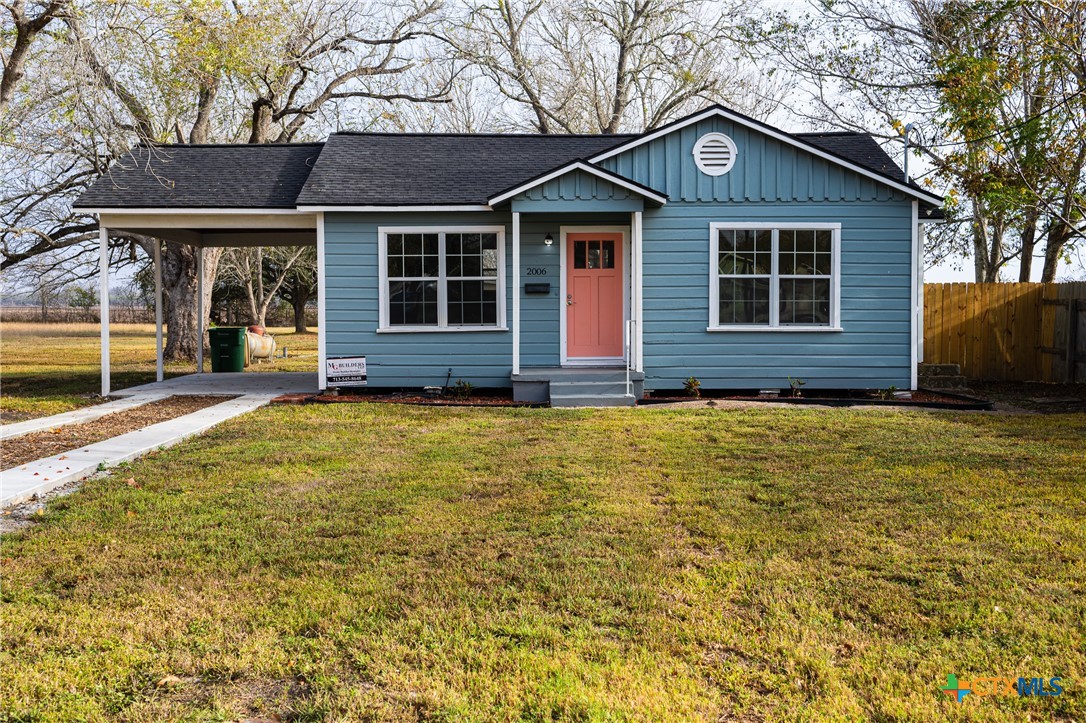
{"points": [[564, 231]]}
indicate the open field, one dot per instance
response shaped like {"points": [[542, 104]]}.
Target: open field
{"points": [[380, 562], [52, 368]]}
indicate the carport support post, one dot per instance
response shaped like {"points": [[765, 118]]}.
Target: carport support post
{"points": [[158, 310], [103, 301], [199, 309]]}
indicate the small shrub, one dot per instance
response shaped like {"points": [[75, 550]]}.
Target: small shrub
{"points": [[796, 385], [692, 387], [888, 393], [461, 390]]}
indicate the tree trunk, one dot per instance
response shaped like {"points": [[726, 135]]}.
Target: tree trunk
{"points": [[1058, 237], [179, 284], [298, 300], [1029, 243]]}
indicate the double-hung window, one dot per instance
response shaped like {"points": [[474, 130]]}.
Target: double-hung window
{"points": [[774, 276], [442, 279]]}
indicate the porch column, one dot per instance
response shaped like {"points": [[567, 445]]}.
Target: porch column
{"points": [[637, 287], [158, 309], [103, 301], [199, 310], [920, 232], [322, 316], [516, 292]]}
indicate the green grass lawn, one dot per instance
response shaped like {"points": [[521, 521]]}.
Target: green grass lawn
{"points": [[378, 562], [52, 368]]}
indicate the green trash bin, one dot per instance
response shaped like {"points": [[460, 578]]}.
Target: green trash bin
{"points": [[227, 348]]}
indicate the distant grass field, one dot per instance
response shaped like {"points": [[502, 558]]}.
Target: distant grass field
{"points": [[371, 562], [51, 368]]}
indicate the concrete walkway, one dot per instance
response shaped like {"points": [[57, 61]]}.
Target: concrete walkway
{"points": [[78, 416], [274, 383], [19, 484]]}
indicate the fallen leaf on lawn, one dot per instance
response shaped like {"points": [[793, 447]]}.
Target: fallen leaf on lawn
{"points": [[169, 680], [131, 482]]}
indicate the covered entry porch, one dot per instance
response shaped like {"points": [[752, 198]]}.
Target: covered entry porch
{"points": [[588, 350], [202, 229]]}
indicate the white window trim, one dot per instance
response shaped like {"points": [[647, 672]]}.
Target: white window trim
{"points": [[442, 326], [774, 278]]}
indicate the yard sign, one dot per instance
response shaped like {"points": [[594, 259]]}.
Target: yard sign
{"points": [[346, 371]]}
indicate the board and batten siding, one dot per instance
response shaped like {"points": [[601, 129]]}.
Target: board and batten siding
{"points": [[770, 182]]}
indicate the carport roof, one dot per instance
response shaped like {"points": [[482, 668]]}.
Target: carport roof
{"points": [[204, 176]]}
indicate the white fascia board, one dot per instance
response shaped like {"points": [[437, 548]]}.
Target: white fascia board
{"points": [[780, 136], [580, 166], [189, 211], [397, 209]]}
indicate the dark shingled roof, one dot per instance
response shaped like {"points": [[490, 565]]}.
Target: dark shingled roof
{"points": [[381, 169], [204, 176], [859, 148]]}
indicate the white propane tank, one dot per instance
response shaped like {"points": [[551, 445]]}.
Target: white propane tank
{"points": [[260, 347]]}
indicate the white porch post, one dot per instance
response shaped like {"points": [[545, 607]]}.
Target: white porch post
{"points": [[914, 291], [158, 310], [637, 289], [322, 317], [516, 292], [200, 310], [103, 301], [921, 230]]}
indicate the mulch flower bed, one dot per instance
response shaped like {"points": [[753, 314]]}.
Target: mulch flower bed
{"points": [[37, 445], [496, 399], [842, 398]]}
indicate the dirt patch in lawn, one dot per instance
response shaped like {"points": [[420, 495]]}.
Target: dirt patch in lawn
{"points": [[1036, 397], [36, 445]]}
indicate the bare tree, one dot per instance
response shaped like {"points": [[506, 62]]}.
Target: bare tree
{"points": [[112, 74], [26, 28], [261, 273], [610, 65]]}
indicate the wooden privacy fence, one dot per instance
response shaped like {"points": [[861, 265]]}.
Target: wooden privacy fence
{"points": [[1008, 332]]}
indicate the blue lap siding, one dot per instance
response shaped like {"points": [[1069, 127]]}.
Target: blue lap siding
{"points": [[770, 182]]}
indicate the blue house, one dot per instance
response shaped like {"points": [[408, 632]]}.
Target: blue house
{"points": [[579, 269]]}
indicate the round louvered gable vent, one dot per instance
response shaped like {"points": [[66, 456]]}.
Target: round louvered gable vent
{"points": [[714, 153]]}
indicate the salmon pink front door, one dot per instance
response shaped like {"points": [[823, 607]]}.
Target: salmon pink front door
{"points": [[593, 296]]}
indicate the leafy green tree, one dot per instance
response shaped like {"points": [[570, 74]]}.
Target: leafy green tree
{"points": [[994, 90]]}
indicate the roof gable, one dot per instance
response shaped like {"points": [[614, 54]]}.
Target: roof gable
{"points": [[588, 181], [829, 147]]}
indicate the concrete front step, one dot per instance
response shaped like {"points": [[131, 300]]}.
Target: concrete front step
{"points": [[578, 386], [603, 389], [591, 400]]}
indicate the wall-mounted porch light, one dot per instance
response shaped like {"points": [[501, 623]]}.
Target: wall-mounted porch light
{"points": [[548, 239]]}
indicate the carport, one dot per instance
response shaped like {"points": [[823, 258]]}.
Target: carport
{"points": [[200, 229], [205, 196]]}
